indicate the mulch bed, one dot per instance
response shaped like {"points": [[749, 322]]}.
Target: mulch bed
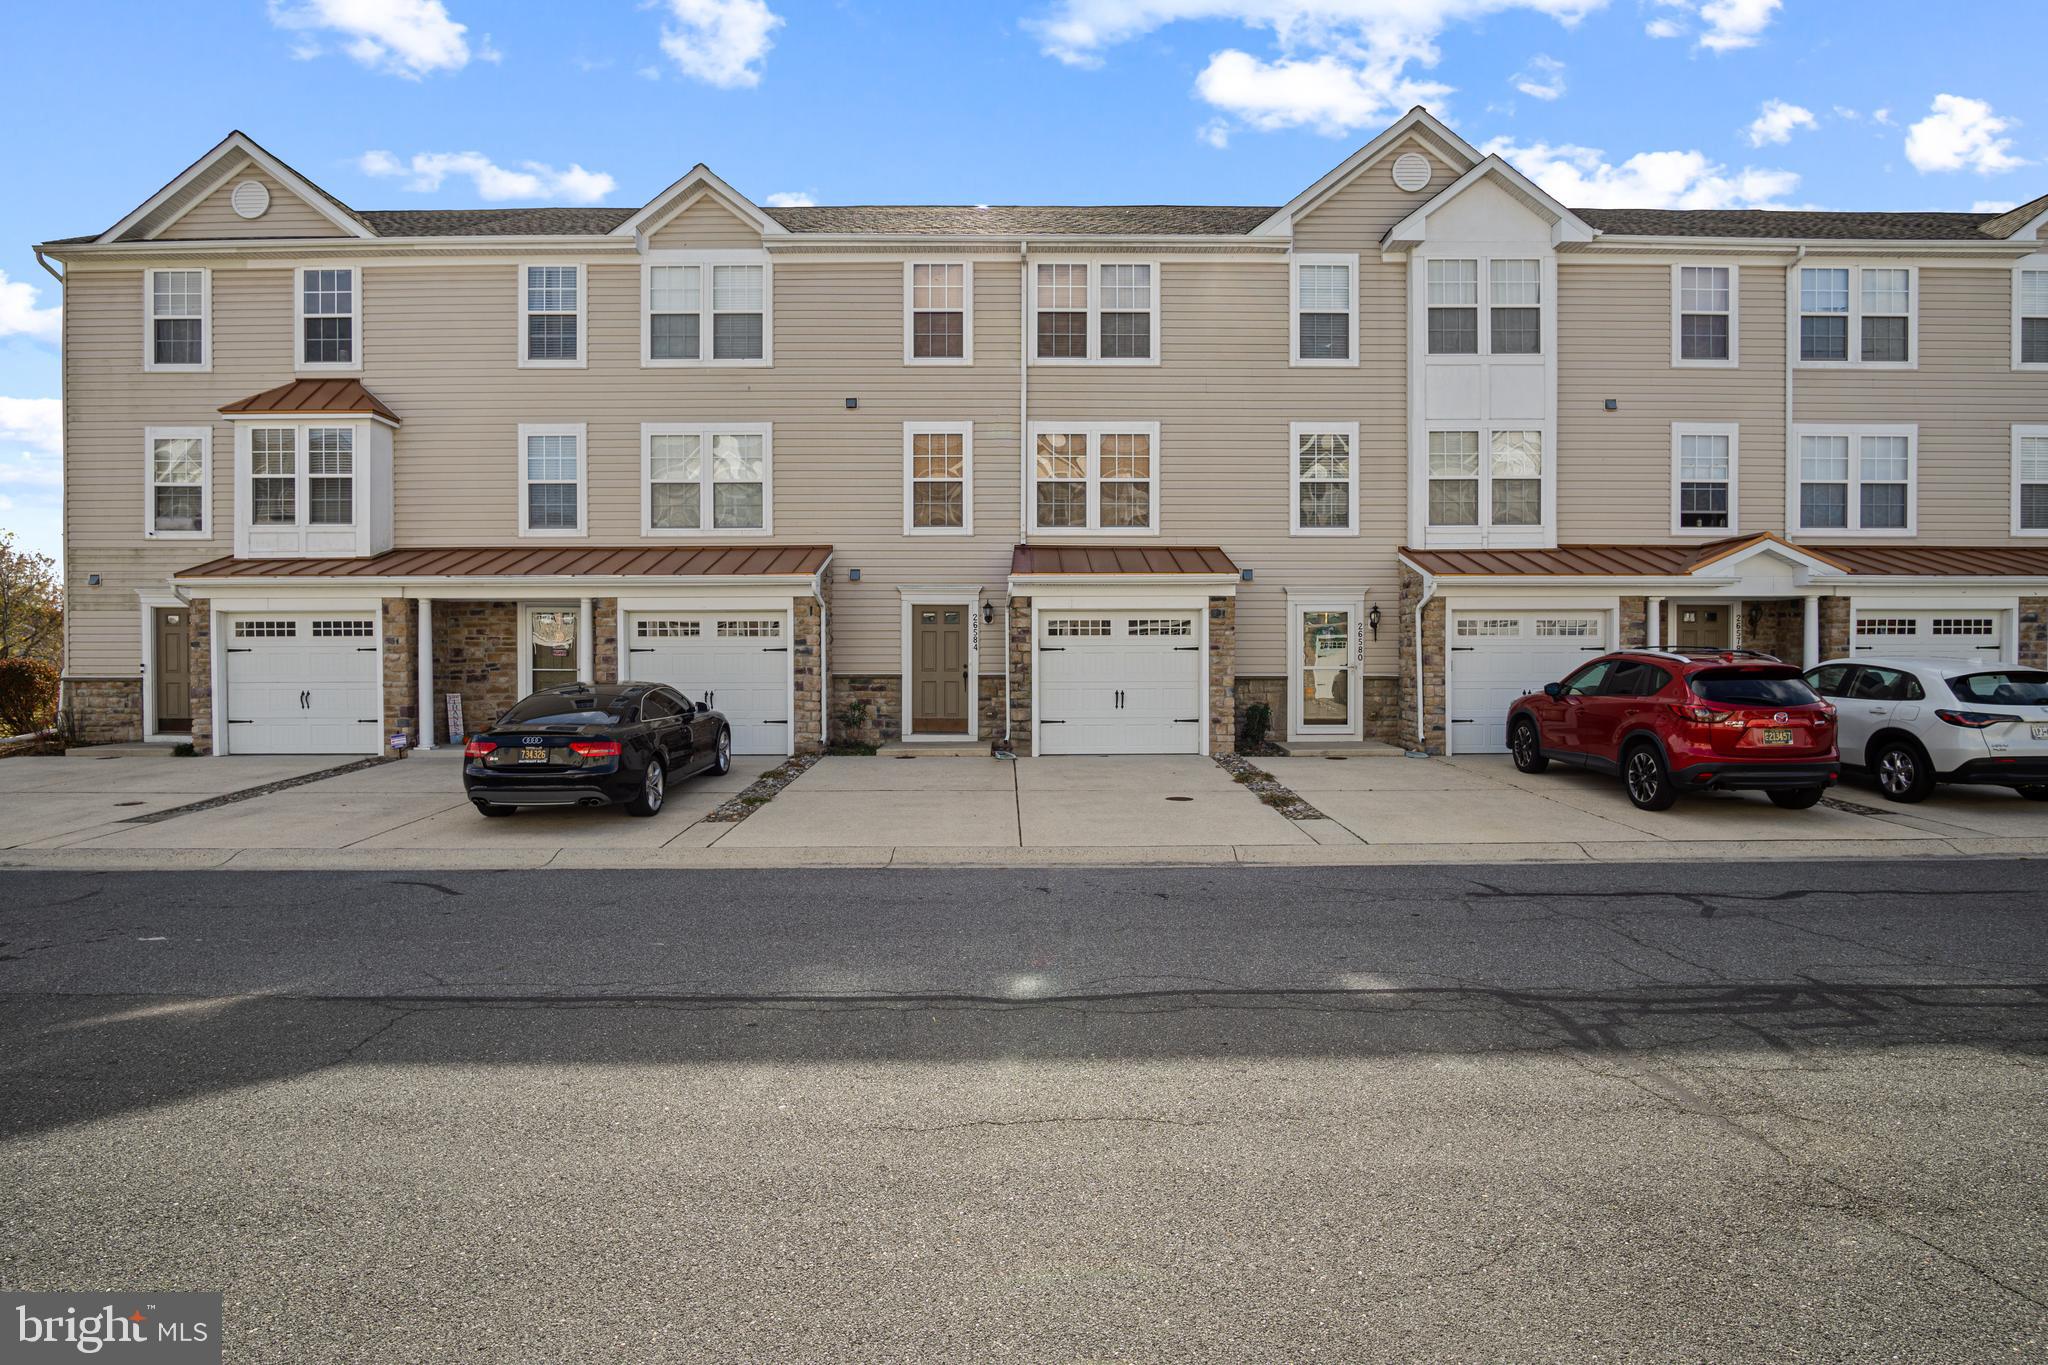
{"points": [[763, 790], [1268, 788]]}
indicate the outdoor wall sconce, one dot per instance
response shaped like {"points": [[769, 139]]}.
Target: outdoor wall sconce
{"points": [[853, 575], [1372, 620], [1756, 617], [988, 613]]}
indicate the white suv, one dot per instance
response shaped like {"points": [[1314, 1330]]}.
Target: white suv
{"points": [[1911, 723]]}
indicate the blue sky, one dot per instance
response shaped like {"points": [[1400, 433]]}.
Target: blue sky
{"points": [[456, 103]]}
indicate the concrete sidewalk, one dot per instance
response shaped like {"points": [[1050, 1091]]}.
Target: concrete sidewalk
{"points": [[871, 812]]}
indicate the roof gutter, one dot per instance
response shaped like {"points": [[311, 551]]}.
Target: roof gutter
{"points": [[42, 261]]}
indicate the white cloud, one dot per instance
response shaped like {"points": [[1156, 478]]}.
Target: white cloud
{"points": [[37, 423], [1542, 79], [1583, 178], [1725, 24], [1336, 65], [1961, 134], [1216, 132], [790, 199], [410, 38], [1778, 121], [1664, 28], [1994, 206], [19, 315], [427, 171], [720, 42]]}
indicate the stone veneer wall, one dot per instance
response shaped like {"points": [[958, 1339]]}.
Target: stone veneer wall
{"points": [[883, 692], [476, 653], [401, 671], [1780, 630], [1020, 675], [1380, 696], [1635, 623], [604, 639], [1431, 652], [990, 708], [2034, 632], [1222, 675], [1271, 691], [1382, 701], [1834, 628], [199, 669], [103, 710], [808, 643]]}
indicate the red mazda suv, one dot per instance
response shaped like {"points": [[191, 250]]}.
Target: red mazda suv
{"points": [[1673, 721]]}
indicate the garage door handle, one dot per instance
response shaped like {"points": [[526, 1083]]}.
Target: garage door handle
{"points": [[1187, 649], [775, 649], [1051, 649], [1191, 720], [238, 649], [366, 649], [639, 649], [1463, 649], [774, 722], [305, 701]]}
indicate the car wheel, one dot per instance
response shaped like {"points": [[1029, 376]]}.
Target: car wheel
{"points": [[1647, 779], [653, 791], [488, 809], [2035, 793], [723, 763], [1527, 747], [1800, 798], [1903, 774]]}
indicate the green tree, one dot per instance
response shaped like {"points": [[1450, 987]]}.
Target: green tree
{"points": [[31, 605]]}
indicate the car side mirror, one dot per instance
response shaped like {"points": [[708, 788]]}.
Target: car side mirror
{"points": [[702, 707], [1553, 690]]}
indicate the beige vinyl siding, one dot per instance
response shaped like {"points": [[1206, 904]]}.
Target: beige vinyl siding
{"points": [[1965, 396], [1224, 396], [1357, 215], [214, 217], [1614, 341], [706, 225]]}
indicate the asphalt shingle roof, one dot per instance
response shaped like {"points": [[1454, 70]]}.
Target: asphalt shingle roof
{"points": [[1009, 220], [1795, 224]]}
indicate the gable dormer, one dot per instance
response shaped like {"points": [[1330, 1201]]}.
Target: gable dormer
{"points": [[238, 190], [700, 212], [1352, 207]]}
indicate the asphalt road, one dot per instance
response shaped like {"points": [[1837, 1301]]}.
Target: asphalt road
{"points": [[1655, 1112]]}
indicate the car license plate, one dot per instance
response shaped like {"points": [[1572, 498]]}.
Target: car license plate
{"points": [[533, 753], [2041, 732], [1774, 736]]}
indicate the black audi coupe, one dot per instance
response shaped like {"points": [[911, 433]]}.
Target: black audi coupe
{"points": [[604, 745]]}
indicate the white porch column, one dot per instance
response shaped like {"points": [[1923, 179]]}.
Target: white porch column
{"points": [[426, 681], [586, 669], [1656, 623], [1810, 639]]}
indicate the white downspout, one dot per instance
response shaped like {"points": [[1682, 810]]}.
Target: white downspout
{"points": [[1791, 412], [1023, 402], [1422, 735]]}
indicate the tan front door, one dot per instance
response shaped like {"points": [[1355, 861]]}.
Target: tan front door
{"points": [[173, 681], [1700, 627], [939, 673]]}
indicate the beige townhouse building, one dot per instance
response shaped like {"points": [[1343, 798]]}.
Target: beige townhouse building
{"points": [[1062, 479]]}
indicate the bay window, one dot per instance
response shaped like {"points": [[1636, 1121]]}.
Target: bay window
{"points": [[330, 476], [1095, 477], [705, 478], [1855, 480], [1104, 312], [177, 307], [1704, 307], [1859, 316], [1325, 478], [179, 461], [551, 479]]}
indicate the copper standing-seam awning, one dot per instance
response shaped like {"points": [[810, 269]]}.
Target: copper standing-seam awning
{"points": [[1120, 559], [1674, 561], [582, 561], [314, 398], [1945, 561]]}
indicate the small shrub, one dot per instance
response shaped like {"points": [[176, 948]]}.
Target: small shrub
{"points": [[1258, 719], [185, 750], [853, 719], [28, 696]]}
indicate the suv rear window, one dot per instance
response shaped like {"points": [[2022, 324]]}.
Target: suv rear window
{"points": [[2008, 687], [544, 709], [1753, 687]]}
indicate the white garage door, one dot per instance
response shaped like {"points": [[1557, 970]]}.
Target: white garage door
{"points": [[1957, 636], [736, 661], [1119, 682], [303, 685], [1497, 656]]}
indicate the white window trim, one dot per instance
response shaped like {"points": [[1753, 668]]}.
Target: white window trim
{"points": [[1094, 266], [150, 436], [1485, 534], [1546, 284], [965, 430], [2019, 432], [1855, 433], [1295, 431], [1734, 360], [1855, 315], [300, 365], [704, 431], [704, 260], [1294, 310], [580, 431], [1095, 431], [1733, 431], [2039, 263], [582, 360], [205, 364], [966, 357]]}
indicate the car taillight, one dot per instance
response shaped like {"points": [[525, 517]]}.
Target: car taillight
{"points": [[1976, 720], [595, 748], [1707, 715], [1824, 716], [477, 748]]}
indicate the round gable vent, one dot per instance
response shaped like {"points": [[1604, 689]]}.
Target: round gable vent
{"points": [[250, 199], [1411, 171]]}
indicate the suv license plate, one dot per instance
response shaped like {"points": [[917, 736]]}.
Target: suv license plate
{"points": [[533, 753], [1774, 736], [2041, 732]]}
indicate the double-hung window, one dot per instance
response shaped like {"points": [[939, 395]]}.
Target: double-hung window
{"points": [[706, 479], [1488, 478], [330, 476], [274, 476], [552, 479], [1703, 478], [700, 310], [1095, 477], [1513, 311], [179, 464], [1453, 307], [1855, 480], [938, 321], [1325, 478], [177, 305], [1516, 294], [1859, 316], [1106, 312], [329, 300], [301, 475], [938, 479], [551, 313], [2030, 480], [1325, 309], [1704, 304], [2030, 318]]}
